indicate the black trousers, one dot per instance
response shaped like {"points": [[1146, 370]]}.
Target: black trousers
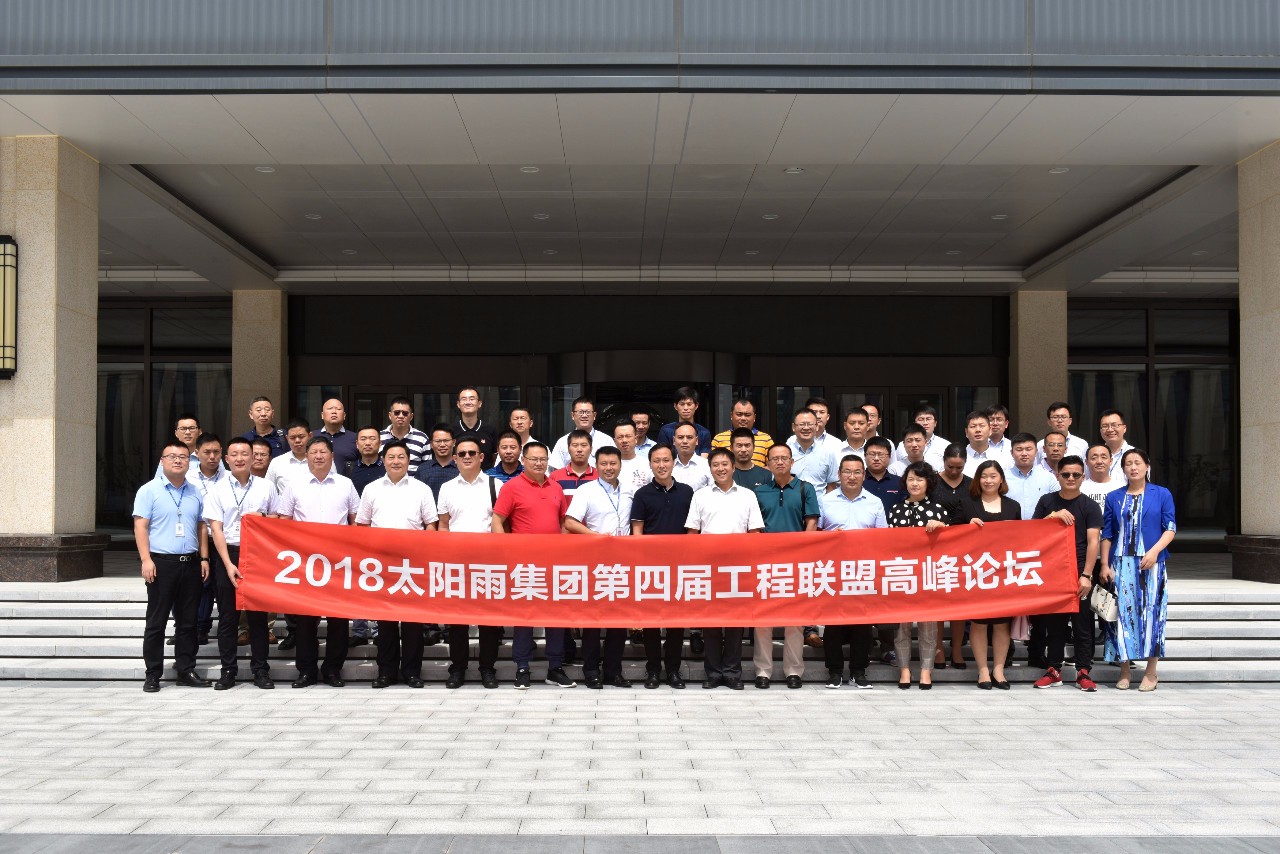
{"points": [[399, 649], [176, 589], [335, 647], [460, 647], [859, 639], [1038, 638], [615, 641], [659, 654], [1056, 626], [722, 657], [229, 621]]}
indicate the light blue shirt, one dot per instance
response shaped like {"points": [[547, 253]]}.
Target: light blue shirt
{"points": [[816, 465], [165, 506], [1026, 489], [840, 513]]}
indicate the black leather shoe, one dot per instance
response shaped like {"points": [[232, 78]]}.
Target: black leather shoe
{"points": [[489, 678], [794, 682], [202, 639], [432, 637], [1002, 685], [354, 642], [696, 644], [762, 682], [620, 681], [734, 684], [333, 680], [191, 680], [151, 684], [652, 681], [263, 681], [382, 682], [594, 682], [675, 681], [287, 643], [414, 682], [225, 683], [455, 679], [712, 683], [305, 681], [170, 641]]}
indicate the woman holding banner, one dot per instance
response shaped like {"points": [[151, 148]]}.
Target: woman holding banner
{"points": [[988, 501], [1138, 525], [917, 511]]}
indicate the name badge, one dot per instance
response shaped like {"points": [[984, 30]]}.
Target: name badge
{"points": [[180, 529]]}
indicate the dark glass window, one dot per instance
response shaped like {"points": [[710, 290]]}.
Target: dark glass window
{"points": [[1112, 330], [190, 330], [1192, 332], [122, 330]]}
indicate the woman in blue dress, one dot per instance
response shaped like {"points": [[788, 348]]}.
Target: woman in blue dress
{"points": [[1138, 525]]}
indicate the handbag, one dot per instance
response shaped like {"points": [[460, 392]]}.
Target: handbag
{"points": [[1104, 603]]}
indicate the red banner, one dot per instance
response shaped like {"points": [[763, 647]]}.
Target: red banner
{"points": [[887, 575], [827, 577]]}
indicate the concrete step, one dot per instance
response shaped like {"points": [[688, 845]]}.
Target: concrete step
{"points": [[1227, 611], [1222, 629]]}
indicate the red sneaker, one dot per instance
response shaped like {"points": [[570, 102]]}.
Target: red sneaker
{"points": [[1083, 682], [1052, 678]]}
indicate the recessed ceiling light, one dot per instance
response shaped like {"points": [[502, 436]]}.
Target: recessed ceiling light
{"points": [[348, 252], [104, 251], [542, 216], [793, 170], [550, 251], [752, 252], [1200, 252], [999, 216], [265, 170], [529, 170], [768, 216], [1059, 170], [953, 251], [312, 216]]}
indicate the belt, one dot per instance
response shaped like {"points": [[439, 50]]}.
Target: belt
{"points": [[178, 558]]}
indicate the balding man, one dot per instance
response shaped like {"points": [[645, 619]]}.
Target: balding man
{"points": [[333, 416]]}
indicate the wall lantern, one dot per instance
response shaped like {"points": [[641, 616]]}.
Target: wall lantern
{"points": [[8, 306]]}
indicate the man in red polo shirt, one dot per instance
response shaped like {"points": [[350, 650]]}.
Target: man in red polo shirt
{"points": [[531, 503], [579, 470]]}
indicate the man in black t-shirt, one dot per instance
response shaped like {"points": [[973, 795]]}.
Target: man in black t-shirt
{"points": [[1071, 507]]}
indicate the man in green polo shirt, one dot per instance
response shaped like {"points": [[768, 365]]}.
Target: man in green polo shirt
{"points": [[787, 504]]}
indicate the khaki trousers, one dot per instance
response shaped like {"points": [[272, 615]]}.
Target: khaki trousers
{"points": [[928, 644], [792, 651]]}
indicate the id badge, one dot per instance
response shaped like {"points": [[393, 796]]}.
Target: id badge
{"points": [[180, 529]]}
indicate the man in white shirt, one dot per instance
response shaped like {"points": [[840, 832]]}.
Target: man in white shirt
{"points": [[1059, 418], [723, 508], [233, 497], [635, 471], [912, 450], [521, 423], [934, 445], [1027, 480], [690, 467], [998, 418], [856, 426], [293, 464], [328, 497], [1053, 447], [584, 418], [404, 503], [822, 412], [602, 508], [466, 507], [1100, 479], [978, 431], [811, 462], [1113, 429]]}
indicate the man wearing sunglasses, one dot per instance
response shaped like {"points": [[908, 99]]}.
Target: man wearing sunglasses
{"points": [[1080, 512], [401, 429]]}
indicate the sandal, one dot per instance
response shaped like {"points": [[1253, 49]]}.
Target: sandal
{"points": [[1146, 686], [1122, 684]]}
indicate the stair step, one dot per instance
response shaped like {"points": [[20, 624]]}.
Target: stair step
{"points": [[1228, 611], [1185, 629]]}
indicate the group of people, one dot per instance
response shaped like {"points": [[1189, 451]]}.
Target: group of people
{"points": [[469, 476]]}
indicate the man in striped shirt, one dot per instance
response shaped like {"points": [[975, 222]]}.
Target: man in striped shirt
{"points": [[401, 429], [743, 414]]}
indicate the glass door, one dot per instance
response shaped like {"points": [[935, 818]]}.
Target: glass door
{"points": [[905, 401]]}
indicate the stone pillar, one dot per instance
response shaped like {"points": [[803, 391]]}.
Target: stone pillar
{"points": [[259, 353], [48, 417], [1037, 356], [1256, 552]]}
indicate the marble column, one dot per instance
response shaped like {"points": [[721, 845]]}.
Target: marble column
{"points": [[259, 353], [48, 416], [1037, 356], [1256, 551]]}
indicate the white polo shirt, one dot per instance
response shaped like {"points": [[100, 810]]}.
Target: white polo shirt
{"points": [[560, 453], [310, 500], [406, 505], [933, 451], [731, 511], [973, 459], [603, 508], [469, 505], [287, 467], [1117, 473], [228, 501], [695, 474], [636, 472], [196, 478]]}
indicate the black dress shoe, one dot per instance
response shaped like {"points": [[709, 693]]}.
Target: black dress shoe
{"points": [[263, 681], [620, 681], [762, 682], [713, 682], [925, 686], [333, 680], [305, 681], [381, 682], [354, 642], [675, 681], [594, 682], [794, 682], [287, 643], [696, 644], [151, 684], [489, 678], [225, 683], [170, 641], [652, 681], [985, 686], [202, 639], [414, 682], [455, 679], [1002, 685], [734, 684], [191, 680], [432, 637]]}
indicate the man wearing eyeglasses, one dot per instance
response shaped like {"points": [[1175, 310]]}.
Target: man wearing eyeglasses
{"points": [[401, 429], [1080, 513], [1059, 419], [584, 418], [787, 505], [1113, 429]]}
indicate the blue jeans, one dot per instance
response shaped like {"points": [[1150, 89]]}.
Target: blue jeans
{"points": [[522, 647], [364, 629]]}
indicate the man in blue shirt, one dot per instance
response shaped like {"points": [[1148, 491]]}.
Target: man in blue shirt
{"points": [[261, 413], [686, 406], [508, 449], [887, 487], [168, 527]]}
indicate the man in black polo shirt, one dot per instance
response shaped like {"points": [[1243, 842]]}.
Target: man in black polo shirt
{"points": [[469, 423], [367, 466], [261, 413], [661, 506], [887, 487]]}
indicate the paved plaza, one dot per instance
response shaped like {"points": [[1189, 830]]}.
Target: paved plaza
{"points": [[103, 758]]}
